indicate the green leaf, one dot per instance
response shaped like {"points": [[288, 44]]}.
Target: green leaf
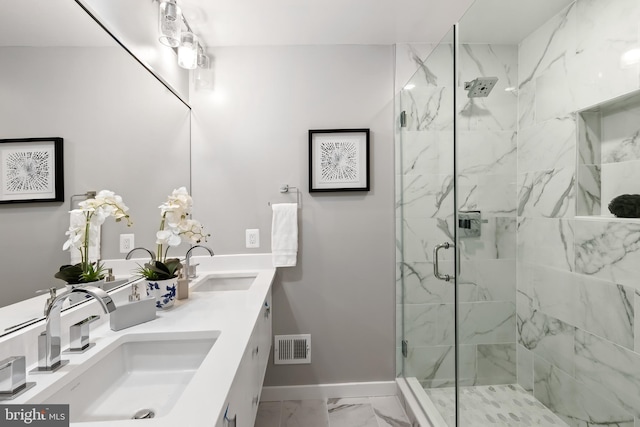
{"points": [[70, 273], [158, 270]]}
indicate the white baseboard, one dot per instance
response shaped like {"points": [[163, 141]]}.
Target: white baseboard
{"points": [[329, 391]]}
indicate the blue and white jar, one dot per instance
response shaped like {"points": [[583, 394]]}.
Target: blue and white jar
{"points": [[164, 291]]}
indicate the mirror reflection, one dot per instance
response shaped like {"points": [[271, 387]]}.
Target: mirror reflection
{"points": [[122, 130]]}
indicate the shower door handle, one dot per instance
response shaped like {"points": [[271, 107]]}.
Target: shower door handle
{"points": [[436, 267]]}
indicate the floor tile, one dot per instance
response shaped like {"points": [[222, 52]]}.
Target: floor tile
{"points": [[304, 413], [389, 412], [505, 405], [351, 412], [269, 414]]}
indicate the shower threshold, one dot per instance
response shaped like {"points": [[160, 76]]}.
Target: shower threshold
{"points": [[504, 405]]}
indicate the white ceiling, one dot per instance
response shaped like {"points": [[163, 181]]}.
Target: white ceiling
{"points": [[301, 22], [292, 22], [309, 22]]}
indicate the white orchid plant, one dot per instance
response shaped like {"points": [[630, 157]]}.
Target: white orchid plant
{"points": [[83, 234], [176, 227]]}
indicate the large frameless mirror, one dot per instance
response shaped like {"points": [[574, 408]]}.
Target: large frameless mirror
{"points": [[122, 130]]}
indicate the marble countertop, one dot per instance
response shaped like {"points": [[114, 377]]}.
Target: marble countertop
{"points": [[232, 313]]}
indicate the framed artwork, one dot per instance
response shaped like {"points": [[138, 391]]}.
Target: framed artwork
{"points": [[31, 170], [338, 160]]}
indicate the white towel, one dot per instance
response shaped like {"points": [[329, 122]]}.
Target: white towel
{"points": [[77, 219], [284, 234]]}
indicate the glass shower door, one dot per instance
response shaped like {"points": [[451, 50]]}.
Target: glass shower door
{"points": [[426, 235]]}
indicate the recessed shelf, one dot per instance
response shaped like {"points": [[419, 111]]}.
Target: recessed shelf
{"points": [[603, 218], [608, 161]]}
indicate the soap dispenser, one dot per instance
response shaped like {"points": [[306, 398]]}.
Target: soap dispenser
{"points": [[137, 310], [183, 285]]}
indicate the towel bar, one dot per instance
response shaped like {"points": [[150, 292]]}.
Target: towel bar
{"points": [[284, 188], [85, 196]]}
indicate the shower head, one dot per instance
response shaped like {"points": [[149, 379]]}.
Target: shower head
{"points": [[480, 87]]}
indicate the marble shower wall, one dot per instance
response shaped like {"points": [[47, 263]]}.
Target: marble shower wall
{"points": [[487, 182], [578, 347]]}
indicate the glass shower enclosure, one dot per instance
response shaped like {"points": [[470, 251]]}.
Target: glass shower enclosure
{"points": [[517, 288]]}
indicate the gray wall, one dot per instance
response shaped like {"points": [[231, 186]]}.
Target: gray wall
{"points": [[250, 136], [135, 145]]}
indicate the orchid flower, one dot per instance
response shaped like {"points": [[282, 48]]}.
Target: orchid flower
{"points": [[95, 211]]}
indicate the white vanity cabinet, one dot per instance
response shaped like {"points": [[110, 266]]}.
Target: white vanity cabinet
{"points": [[264, 337], [244, 395]]}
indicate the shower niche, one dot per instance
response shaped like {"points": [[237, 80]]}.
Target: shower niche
{"points": [[608, 154]]}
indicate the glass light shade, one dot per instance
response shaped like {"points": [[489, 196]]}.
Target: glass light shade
{"points": [[169, 23], [188, 51], [203, 74], [203, 60]]}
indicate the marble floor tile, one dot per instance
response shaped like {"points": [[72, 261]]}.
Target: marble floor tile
{"points": [[269, 414], [351, 412], [385, 411], [504, 405], [304, 413], [389, 412]]}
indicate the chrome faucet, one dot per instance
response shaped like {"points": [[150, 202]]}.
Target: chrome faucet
{"points": [[49, 341], [151, 253], [187, 258]]}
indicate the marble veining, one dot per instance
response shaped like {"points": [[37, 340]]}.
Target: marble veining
{"points": [[383, 411], [576, 404], [548, 145], [504, 405], [496, 363], [547, 337], [546, 46], [608, 250], [304, 413], [421, 287], [546, 193], [610, 369]]}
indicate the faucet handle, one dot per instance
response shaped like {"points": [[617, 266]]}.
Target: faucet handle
{"points": [[13, 377], [79, 341], [52, 296]]}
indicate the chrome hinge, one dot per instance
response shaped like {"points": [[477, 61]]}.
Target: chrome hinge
{"points": [[405, 348]]}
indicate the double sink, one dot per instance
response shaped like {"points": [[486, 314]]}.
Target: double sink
{"points": [[141, 375], [138, 376]]}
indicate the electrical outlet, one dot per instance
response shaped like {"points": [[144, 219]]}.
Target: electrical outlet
{"points": [[253, 238], [126, 243]]}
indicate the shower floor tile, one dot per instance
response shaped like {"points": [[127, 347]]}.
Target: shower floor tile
{"points": [[500, 405]]}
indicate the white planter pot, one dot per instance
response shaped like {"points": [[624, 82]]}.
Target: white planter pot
{"points": [[164, 291]]}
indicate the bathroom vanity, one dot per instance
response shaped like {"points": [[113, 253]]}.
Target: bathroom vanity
{"points": [[200, 363]]}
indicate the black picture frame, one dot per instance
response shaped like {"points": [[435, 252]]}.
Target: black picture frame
{"points": [[31, 170], [339, 160]]}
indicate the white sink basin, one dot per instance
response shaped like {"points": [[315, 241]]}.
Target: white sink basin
{"points": [[225, 282], [143, 372]]}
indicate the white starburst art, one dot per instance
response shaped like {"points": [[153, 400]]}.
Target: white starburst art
{"points": [[27, 171], [339, 161]]}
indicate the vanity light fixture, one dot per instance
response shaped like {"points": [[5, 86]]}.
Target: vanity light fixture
{"points": [[203, 74], [176, 33], [169, 23], [188, 50]]}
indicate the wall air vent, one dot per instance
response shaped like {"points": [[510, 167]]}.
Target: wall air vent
{"points": [[292, 349]]}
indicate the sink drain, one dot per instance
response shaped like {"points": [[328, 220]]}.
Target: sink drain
{"points": [[143, 414]]}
